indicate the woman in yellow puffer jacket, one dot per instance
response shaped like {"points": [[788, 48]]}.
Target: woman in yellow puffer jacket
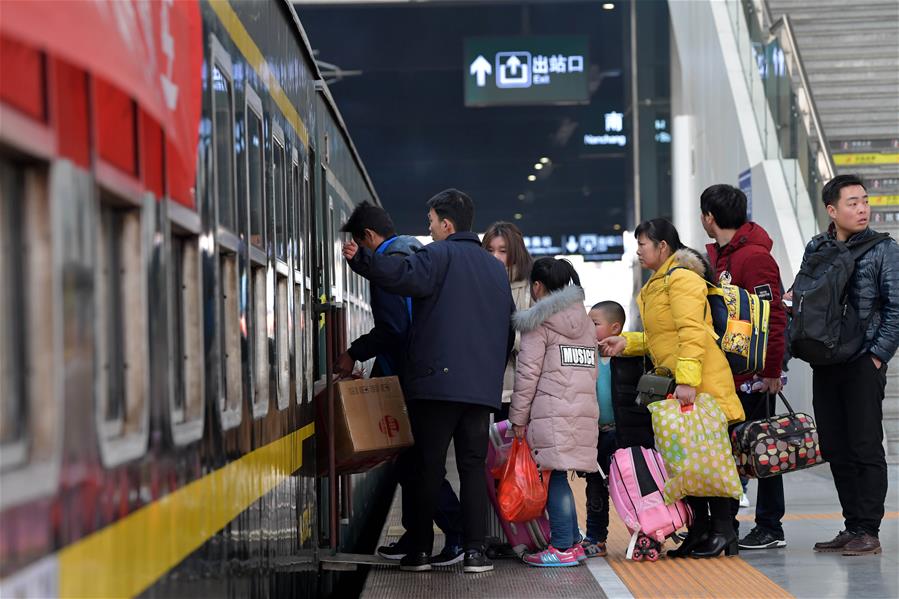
{"points": [[679, 336]]}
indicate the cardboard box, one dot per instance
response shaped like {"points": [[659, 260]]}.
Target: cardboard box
{"points": [[371, 424]]}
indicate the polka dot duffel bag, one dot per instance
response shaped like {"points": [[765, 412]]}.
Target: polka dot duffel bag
{"points": [[776, 445]]}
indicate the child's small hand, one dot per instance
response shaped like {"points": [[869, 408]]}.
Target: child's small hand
{"points": [[518, 431], [612, 346]]}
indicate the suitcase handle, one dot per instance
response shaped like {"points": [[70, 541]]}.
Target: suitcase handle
{"points": [[786, 403]]}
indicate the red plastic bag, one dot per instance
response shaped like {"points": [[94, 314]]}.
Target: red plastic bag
{"points": [[521, 495]]}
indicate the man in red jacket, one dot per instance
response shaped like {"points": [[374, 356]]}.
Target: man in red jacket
{"points": [[743, 249]]}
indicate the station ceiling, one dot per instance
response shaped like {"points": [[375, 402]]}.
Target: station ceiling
{"points": [[406, 112]]}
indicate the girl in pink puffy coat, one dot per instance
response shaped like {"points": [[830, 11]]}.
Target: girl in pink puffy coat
{"points": [[555, 397]]}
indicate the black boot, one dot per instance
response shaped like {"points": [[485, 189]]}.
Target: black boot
{"points": [[697, 531], [696, 535], [720, 538]]}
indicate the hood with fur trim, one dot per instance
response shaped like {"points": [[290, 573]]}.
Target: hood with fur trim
{"points": [[552, 304], [693, 260]]}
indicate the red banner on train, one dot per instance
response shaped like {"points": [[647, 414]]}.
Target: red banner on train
{"points": [[150, 49]]}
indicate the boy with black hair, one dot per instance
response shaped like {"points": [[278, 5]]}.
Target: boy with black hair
{"points": [[371, 227], [848, 397], [456, 356], [608, 316], [743, 249]]}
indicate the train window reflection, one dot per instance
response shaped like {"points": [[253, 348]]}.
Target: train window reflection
{"points": [[12, 335], [122, 347], [223, 122], [256, 181], [278, 175], [187, 334]]}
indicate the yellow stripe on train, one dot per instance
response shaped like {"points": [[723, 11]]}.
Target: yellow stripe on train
{"points": [[253, 55], [126, 557]]}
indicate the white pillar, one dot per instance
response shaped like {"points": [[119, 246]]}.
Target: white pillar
{"points": [[685, 196]]}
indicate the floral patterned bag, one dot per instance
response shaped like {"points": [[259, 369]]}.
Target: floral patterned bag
{"points": [[694, 443], [776, 445]]}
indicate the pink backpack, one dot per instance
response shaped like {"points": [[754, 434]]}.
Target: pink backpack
{"points": [[636, 481]]}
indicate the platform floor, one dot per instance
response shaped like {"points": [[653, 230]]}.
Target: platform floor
{"points": [[795, 571]]}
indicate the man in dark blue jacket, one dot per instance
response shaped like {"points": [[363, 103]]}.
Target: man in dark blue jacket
{"points": [[457, 350], [848, 398], [372, 228]]}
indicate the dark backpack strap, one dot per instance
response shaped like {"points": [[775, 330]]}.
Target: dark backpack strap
{"points": [[862, 248]]}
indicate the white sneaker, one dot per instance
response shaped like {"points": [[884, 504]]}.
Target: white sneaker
{"points": [[744, 500]]}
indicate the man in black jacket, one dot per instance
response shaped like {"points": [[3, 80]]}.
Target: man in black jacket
{"points": [[848, 397], [372, 228], [461, 337]]}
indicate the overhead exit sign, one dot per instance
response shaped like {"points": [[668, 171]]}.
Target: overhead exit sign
{"points": [[526, 70]]}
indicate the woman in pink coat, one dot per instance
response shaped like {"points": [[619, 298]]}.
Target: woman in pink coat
{"points": [[555, 397]]}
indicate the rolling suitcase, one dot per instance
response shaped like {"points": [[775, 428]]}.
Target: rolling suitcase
{"points": [[528, 536]]}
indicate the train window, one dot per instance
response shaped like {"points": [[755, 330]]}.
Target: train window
{"points": [[122, 386], [223, 121], [282, 325], [33, 211], [294, 209], [278, 172], [256, 180], [308, 289], [228, 306], [13, 415], [185, 326]]}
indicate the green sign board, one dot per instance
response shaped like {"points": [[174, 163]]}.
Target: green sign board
{"points": [[526, 70]]}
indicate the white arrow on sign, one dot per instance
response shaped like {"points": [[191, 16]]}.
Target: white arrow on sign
{"points": [[481, 68], [513, 63]]}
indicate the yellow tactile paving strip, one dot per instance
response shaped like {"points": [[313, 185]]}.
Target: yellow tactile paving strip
{"points": [[729, 577]]}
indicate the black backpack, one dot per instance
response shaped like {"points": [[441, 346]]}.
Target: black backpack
{"points": [[825, 328]]}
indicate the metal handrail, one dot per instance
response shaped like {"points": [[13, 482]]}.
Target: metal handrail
{"points": [[824, 158]]}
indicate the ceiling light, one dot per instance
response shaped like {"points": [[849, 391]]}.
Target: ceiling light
{"points": [[538, 166], [616, 226], [521, 197], [608, 6], [518, 216], [532, 177], [544, 160]]}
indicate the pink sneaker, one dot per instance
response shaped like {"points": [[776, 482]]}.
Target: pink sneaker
{"points": [[552, 558], [578, 552]]}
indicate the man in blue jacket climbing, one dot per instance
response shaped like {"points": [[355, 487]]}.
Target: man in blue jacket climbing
{"points": [[372, 228], [453, 373]]}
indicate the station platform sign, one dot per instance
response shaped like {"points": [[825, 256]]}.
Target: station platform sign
{"points": [[526, 70]]}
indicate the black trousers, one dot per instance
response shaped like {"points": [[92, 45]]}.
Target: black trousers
{"points": [[434, 424], [769, 503], [447, 512], [598, 489], [848, 402]]}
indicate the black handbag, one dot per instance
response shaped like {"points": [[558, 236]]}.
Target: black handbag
{"points": [[655, 386]]}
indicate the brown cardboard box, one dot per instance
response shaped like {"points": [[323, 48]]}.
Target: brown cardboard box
{"points": [[371, 424]]}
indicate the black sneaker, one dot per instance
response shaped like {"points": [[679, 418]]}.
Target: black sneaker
{"points": [[417, 561], [476, 561], [451, 554], [759, 538], [392, 551]]}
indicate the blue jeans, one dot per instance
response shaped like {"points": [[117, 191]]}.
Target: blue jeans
{"points": [[562, 514]]}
